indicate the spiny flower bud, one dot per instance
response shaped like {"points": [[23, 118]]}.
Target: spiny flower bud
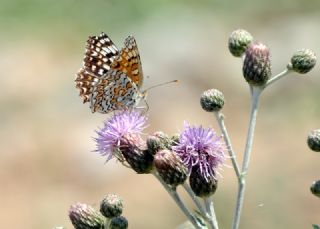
{"points": [[157, 141], [175, 139], [170, 167], [303, 61], [111, 206], [256, 66], [239, 41], [84, 216], [212, 100], [133, 150], [315, 188], [314, 140], [119, 222], [200, 185]]}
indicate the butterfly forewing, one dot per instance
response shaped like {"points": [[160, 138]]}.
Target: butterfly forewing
{"points": [[129, 61], [100, 53]]}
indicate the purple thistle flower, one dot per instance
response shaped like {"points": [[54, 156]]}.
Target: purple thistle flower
{"points": [[116, 129], [202, 148]]}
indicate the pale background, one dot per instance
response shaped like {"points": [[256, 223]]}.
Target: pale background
{"points": [[46, 159]]}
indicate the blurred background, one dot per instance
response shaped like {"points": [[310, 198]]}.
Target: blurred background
{"points": [[46, 133]]}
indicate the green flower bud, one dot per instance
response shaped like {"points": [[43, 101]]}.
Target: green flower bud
{"points": [[212, 100], [119, 222], [200, 185], [111, 206], [170, 167], [157, 141], [314, 140], [239, 41], [256, 66], [315, 188], [84, 216], [303, 61]]}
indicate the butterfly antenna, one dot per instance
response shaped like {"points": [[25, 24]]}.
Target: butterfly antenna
{"points": [[161, 84]]}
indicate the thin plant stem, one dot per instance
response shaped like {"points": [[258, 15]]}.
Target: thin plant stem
{"points": [[210, 208], [256, 91], [277, 77], [220, 120], [107, 223], [178, 201], [196, 200]]}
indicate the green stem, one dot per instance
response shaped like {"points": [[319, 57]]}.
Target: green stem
{"points": [[220, 120], [210, 208], [247, 153], [277, 77], [196, 201], [107, 223], [173, 193]]}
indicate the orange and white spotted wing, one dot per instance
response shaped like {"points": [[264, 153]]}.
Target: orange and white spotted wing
{"points": [[128, 61], [110, 80], [99, 55], [114, 91]]}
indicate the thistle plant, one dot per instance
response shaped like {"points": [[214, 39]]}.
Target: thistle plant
{"points": [[194, 158]]}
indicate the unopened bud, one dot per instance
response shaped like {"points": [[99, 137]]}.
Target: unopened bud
{"points": [[303, 61], [119, 222], [111, 206], [314, 140], [212, 100], [256, 66], [84, 216], [315, 188], [239, 41]]}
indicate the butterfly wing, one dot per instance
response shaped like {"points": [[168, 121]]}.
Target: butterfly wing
{"points": [[128, 61], [100, 54], [114, 91]]}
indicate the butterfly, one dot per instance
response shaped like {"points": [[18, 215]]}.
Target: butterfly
{"points": [[110, 79]]}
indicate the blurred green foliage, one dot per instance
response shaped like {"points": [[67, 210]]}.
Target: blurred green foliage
{"points": [[96, 14]]}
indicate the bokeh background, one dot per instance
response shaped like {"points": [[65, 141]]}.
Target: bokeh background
{"points": [[46, 133]]}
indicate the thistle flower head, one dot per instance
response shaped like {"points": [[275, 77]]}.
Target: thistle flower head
{"points": [[115, 130], [202, 148]]}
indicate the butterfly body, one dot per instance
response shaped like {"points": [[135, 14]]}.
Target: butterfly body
{"points": [[110, 79]]}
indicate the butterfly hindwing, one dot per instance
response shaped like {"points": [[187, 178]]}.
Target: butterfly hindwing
{"points": [[115, 91]]}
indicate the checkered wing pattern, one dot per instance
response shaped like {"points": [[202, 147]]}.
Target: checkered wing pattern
{"points": [[110, 79], [100, 54], [114, 91], [128, 61]]}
